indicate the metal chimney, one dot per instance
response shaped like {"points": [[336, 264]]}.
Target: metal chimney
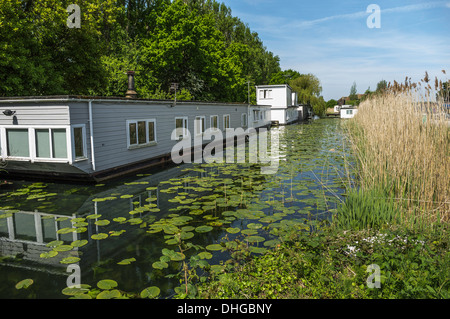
{"points": [[131, 93]]}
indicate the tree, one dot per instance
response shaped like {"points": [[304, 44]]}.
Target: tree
{"points": [[331, 103], [308, 88], [353, 93], [381, 86]]}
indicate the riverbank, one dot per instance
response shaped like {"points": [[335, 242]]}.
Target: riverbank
{"points": [[390, 237]]}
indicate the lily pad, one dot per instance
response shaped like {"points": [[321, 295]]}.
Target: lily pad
{"points": [[214, 247], [126, 261], [255, 239], [233, 230], [102, 222], [205, 255], [120, 219], [109, 294], [203, 229], [107, 284], [48, 254], [79, 243], [63, 248], [150, 292], [99, 236], [24, 284], [160, 265], [70, 260]]}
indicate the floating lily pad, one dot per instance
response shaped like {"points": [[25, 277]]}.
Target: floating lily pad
{"points": [[24, 284], [126, 261], [205, 255], [186, 235], [79, 243], [160, 265], [107, 284], [102, 222], [48, 254], [254, 226], [99, 236], [63, 248], [55, 243], [214, 247], [255, 239], [232, 230], [94, 216], [109, 294], [126, 196], [150, 292], [70, 260], [203, 229], [66, 230], [120, 219], [116, 233]]}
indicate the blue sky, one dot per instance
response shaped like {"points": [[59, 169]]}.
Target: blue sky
{"points": [[331, 39]]}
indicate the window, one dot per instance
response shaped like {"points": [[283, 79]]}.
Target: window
{"points": [[244, 120], [141, 132], [214, 122], [79, 141], [349, 112], [256, 115], [17, 142], [181, 125], [51, 143], [265, 94], [226, 121], [200, 125]]}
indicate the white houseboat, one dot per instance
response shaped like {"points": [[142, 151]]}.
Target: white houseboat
{"points": [[284, 108], [348, 111], [94, 138]]}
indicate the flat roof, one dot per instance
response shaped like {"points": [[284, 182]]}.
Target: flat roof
{"points": [[83, 98]]}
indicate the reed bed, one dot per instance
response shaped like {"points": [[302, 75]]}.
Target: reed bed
{"points": [[401, 141]]}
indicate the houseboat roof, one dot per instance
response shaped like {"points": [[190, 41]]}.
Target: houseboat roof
{"points": [[273, 85], [59, 98]]}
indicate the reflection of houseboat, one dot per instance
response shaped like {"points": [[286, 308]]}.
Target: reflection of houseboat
{"points": [[95, 138]]}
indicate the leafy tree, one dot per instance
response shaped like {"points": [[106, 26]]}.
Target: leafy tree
{"points": [[381, 86], [331, 103]]}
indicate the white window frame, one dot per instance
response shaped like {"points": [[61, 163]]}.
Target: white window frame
{"points": [[225, 116], [147, 142], [32, 144], [198, 121], [185, 128], [211, 122], [83, 132], [265, 94]]}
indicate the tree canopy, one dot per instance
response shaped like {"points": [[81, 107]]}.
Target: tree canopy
{"points": [[199, 44]]}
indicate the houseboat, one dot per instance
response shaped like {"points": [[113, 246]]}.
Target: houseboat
{"points": [[348, 111], [95, 138], [283, 101]]}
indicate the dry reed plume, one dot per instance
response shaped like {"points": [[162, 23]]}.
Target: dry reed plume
{"points": [[401, 140]]}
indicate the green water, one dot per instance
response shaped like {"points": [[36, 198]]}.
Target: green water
{"points": [[126, 229]]}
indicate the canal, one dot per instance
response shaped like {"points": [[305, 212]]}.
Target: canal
{"points": [[130, 231]]}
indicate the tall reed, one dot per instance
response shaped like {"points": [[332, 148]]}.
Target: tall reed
{"points": [[401, 142]]}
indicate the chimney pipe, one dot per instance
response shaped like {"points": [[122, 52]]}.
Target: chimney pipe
{"points": [[131, 93]]}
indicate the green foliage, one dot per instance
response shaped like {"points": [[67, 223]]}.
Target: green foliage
{"points": [[365, 209], [319, 265], [198, 44]]}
